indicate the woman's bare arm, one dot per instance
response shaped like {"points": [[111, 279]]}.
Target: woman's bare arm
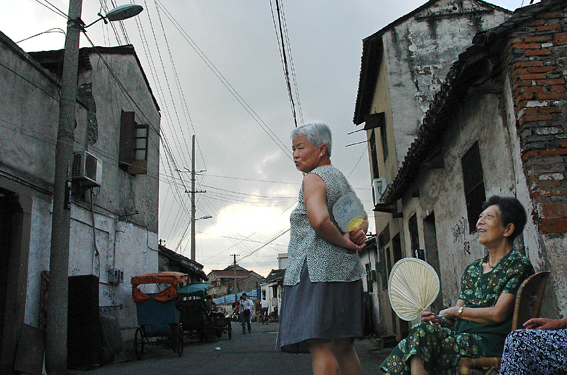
{"points": [[315, 199]]}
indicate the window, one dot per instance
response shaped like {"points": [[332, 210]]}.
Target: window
{"points": [[473, 179], [383, 269], [414, 235], [141, 145], [384, 138], [373, 121], [374, 155], [133, 155]]}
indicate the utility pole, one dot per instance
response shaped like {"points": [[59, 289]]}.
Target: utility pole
{"points": [[192, 192], [193, 208], [235, 285], [57, 303]]}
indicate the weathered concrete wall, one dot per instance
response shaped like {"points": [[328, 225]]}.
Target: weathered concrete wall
{"points": [[441, 190], [419, 53], [39, 251], [125, 206], [121, 193]]}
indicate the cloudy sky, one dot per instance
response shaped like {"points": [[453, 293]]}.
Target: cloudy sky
{"points": [[216, 70]]}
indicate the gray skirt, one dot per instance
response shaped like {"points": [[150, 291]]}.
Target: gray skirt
{"points": [[326, 311]]}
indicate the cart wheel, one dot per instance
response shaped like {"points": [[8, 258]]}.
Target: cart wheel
{"points": [[179, 340], [139, 343], [229, 331]]}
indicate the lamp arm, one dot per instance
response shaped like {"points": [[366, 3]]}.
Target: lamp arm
{"points": [[101, 18]]}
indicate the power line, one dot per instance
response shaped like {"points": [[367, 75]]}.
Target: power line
{"points": [[53, 8], [286, 58], [227, 84]]}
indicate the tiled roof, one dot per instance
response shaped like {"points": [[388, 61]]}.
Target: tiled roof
{"points": [[188, 264], [275, 275]]}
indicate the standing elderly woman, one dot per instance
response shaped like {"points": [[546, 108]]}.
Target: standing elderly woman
{"points": [[478, 324], [322, 302]]}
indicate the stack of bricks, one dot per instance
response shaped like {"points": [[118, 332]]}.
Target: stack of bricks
{"points": [[537, 59]]}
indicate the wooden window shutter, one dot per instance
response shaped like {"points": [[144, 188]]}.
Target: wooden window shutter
{"points": [[128, 145]]}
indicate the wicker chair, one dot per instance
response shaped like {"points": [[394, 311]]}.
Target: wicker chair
{"points": [[528, 305]]}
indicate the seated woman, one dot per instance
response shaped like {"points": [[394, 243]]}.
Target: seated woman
{"points": [[478, 324], [537, 350]]}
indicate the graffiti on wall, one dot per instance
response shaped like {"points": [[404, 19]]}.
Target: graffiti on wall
{"points": [[460, 234]]}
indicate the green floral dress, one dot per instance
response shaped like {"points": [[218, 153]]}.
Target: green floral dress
{"points": [[441, 347]]}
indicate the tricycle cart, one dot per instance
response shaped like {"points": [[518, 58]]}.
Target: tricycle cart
{"points": [[158, 317], [196, 320]]}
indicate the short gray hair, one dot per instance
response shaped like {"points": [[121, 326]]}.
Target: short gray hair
{"points": [[317, 133]]}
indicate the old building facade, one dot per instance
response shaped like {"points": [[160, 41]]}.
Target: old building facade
{"points": [[496, 126], [114, 205], [403, 66]]}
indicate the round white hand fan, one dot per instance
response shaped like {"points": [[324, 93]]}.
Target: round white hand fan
{"points": [[413, 285]]}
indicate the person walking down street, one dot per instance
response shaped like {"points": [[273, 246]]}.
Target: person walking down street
{"points": [[322, 302], [265, 307], [246, 307]]}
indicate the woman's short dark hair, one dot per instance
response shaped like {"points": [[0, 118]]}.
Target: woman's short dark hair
{"points": [[511, 211]]}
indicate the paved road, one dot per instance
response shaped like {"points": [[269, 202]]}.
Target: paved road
{"points": [[250, 354]]}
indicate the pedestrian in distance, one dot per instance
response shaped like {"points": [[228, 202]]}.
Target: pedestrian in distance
{"points": [[322, 302], [265, 307], [246, 307]]}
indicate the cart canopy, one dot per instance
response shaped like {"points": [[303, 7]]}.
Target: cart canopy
{"points": [[193, 290], [167, 294], [172, 278]]}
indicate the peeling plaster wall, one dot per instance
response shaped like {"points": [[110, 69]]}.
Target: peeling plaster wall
{"points": [[120, 244], [441, 190], [40, 244], [419, 53], [121, 193]]}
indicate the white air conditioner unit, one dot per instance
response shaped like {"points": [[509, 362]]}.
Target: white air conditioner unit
{"points": [[87, 169], [378, 189]]}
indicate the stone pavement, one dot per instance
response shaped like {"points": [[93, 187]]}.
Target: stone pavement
{"points": [[250, 354]]}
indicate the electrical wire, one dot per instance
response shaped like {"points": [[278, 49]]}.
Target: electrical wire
{"points": [[284, 46], [226, 83]]}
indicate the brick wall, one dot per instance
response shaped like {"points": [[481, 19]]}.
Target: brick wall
{"points": [[537, 59]]}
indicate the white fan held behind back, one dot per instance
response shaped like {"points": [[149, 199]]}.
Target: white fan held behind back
{"points": [[413, 285]]}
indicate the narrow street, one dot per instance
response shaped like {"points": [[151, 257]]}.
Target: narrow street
{"points": [[249, 354]]}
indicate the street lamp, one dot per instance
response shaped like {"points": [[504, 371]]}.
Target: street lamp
{"points": [[57, 303], [193, 233]]}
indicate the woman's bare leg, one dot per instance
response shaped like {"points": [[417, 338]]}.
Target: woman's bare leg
{"points": [[346, 356], [322, 357], [334, 357], [416, 366]]}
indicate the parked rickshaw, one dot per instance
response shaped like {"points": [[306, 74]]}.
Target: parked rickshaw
{"points": [[158, 316], [197, 321]]}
